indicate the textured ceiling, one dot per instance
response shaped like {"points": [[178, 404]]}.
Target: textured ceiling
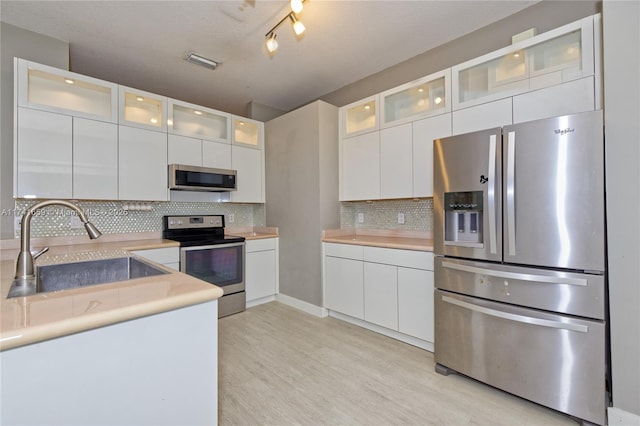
{"points": [[142, 43]]}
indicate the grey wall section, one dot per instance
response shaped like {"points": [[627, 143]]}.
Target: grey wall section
{"points": [[544, 16], [24, 44], [261, 112], [621, 38], [301, 150]]}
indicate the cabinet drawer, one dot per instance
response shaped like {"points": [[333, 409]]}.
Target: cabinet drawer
{"points": [[261, 245], [161, 255], [347, 251], [407, 258]]}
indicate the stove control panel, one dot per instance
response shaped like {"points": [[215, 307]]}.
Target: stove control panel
{"points": [[194, 222]]}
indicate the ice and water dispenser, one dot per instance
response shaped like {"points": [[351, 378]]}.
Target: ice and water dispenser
{"points": [[463, 218]]}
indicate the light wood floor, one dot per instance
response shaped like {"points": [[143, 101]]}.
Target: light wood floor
{"points": [[281, 366]]}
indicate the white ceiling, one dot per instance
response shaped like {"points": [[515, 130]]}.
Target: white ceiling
{"points": [[142, 44]]}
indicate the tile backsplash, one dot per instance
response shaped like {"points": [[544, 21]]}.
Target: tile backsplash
{"points": [[418, 214], [116, 217]]}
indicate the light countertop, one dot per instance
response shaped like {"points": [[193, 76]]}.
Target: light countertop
{"points": [[253, 232], [31, 319], [396, 239]]}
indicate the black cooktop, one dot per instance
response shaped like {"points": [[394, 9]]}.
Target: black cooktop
{"points": [[197, 230]]}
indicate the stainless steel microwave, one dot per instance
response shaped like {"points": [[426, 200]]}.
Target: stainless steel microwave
{"points": [[193, 178]]}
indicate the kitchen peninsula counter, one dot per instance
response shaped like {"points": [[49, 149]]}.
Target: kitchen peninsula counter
{"points": [[395, 239], [44, 316]]}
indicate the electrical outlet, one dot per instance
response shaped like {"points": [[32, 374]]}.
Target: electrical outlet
{"points": [[401, 218], [360, 217], [231, 217]]}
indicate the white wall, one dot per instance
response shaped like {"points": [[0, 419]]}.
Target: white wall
{"points": [[621, 37]]}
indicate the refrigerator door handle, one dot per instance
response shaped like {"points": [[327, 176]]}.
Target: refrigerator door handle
{"points": [[517, 318], [511, 200], [491, 194], [515, 275]]}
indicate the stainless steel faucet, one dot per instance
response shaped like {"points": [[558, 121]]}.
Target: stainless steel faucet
{"points": [[24, 282]]}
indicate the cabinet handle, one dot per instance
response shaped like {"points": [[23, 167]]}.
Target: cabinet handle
{"points": [[516, 275], [517, 318], [491, 194], [511, 196]]}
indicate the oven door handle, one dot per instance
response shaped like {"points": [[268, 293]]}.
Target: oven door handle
{"points": [[517, 318]]}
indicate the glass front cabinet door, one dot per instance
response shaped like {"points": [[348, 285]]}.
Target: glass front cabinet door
{"points": [[143, 109], [247, 132], [359, 117], [555, 57], [421, 98], [196, 121], [51, 89]]}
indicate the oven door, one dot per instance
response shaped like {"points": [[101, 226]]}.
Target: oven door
{"points": [[219, 264]]}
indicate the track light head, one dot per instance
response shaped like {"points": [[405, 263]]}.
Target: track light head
{"points": [[271, 43], [298, 26], [296, 5]]}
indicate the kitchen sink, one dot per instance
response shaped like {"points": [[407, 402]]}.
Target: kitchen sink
{"points": [[65, 276]]}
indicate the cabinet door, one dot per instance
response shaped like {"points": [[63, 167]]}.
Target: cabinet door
{"points": [[95, 160], [424, 132], [184, 150], [360, 167], [142, 157], [381, 294], [415, 303], [568, 98], [260, 274], [249, 164], [248, 132], [481, 117], [344, 286], [44, 155], [396, 162], [216, 155]]}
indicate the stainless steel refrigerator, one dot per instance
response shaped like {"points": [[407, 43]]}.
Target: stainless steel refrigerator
{"points": [[520, 272]]}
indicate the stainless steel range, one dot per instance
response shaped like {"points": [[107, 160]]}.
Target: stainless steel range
{"points": [[206, 253]]}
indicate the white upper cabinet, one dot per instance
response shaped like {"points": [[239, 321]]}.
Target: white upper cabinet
{"points": [[142, 109], [359, 117], [198, 122], [247, 132], [51, 89], [421, 98], [555, 57]]}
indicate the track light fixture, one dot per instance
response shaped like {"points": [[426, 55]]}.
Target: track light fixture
{"points": [[298, 27]]}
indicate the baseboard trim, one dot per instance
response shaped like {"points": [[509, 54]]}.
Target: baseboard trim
{"points": [[618, 417], [260, 301], [307, 307], [414, 341]]}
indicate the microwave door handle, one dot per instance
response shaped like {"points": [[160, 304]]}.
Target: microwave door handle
{"points": [[511, 196], [515, 317], [491, 194]]}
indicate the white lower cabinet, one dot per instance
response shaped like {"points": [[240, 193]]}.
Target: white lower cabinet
{"points": [[142, 156], [391, 289], [344, 286], [261, 279], [415, 303], [381, 294]]}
